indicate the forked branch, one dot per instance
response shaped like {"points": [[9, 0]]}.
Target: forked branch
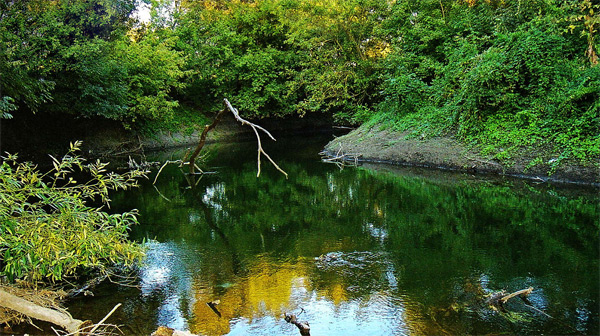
{"points": [[255, 128]]}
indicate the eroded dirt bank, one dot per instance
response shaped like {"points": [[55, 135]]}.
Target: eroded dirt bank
{"points": [[373, 144]]}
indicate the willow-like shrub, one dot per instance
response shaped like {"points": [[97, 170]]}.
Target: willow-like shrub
{"points": [[48, 230]]}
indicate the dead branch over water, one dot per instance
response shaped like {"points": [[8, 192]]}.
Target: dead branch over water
{"points": [[255, 128]]}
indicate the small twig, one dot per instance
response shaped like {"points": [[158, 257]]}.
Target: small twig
{"points": [[104, 319], [160, 194], [236, 114], [538, 310], [335, 158], [159, 171]]}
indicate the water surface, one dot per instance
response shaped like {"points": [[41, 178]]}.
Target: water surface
{"points": [[369, 250]]}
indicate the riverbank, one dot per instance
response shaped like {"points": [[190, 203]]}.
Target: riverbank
{"points": [[35, 139], [375, 144]]}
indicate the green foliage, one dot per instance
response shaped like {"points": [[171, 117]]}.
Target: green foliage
{"points": [[274, 57], [583, 18], [499, 75], [100, 78], [154, 70], [502, 75], [239, 52], [6, 106], [78, 58], [48, 229]]}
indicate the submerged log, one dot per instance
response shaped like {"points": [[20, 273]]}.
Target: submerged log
{"points": [[37, 312]]}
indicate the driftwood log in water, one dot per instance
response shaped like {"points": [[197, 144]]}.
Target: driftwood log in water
{"points": [[523, 293], [303, 326], [37, 312], [498, 299]]}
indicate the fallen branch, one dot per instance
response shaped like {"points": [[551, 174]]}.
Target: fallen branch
{"points": [[104, 319], [163, 166], [499, 299], [255, 128], [37, 312], [202, 140], [523, 293], [86, 287], [340, 158]]}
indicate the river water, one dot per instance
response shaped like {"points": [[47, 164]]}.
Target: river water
{"points": [[368, 250]]}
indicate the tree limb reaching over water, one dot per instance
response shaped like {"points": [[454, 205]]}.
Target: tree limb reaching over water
{"points": [[255, 128]]}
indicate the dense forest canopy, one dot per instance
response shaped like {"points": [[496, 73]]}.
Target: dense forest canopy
{"points": [[500, 74]]}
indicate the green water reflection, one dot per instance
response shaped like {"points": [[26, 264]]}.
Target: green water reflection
{"points": [[363, 251]]}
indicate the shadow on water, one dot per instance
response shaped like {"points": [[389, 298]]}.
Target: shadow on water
{"points": [[372, 250]]}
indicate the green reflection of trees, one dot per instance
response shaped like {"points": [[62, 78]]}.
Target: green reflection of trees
{"points": [[435, 236]]}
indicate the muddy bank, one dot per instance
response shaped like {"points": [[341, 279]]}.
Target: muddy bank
{"points": [[34, 138], [118, 141], [373, 144]]}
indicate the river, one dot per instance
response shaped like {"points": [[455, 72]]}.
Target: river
{"points": [[368, 250]]}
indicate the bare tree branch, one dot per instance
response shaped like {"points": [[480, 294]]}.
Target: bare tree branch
{"points": [[255, 128]]}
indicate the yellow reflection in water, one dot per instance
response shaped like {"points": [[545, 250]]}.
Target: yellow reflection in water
{"points": [[266, 290], [272, 287]]}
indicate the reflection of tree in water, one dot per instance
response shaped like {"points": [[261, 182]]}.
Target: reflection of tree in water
{"points": [[256, 240]]}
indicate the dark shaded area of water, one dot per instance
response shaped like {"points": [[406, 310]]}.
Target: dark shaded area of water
{"points": [[373, 250]]}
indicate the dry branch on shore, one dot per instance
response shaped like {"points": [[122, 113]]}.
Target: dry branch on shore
{"points": [[22, 305], [35, 311], [340, 158]]}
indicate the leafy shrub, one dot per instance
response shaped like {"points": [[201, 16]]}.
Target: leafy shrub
{"points": [[48, 229]]}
